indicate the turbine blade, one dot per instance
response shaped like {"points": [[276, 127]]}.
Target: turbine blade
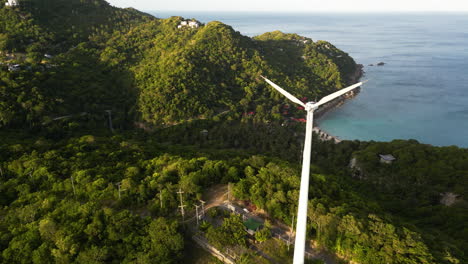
{"points": [[282, 91], [334, 95]]}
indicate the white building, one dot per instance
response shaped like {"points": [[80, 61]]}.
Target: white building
{"points": [[12, 3], [193, 24], [388, 158], [15, 67]]}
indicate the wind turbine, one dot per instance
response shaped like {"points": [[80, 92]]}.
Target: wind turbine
{"points": [[310, 107]]}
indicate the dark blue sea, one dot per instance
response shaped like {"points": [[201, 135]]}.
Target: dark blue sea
{"points": [[420, 93]]}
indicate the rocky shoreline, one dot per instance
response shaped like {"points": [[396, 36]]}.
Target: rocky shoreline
{"points": [[325, 136], [354, 78]]}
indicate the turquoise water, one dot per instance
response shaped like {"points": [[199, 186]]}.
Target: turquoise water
{"points": [[420, 93]]}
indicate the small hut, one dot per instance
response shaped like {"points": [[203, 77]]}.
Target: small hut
{"points": [[387, 158]]}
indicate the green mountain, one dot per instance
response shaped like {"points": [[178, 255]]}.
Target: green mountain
{"points": [[55, 26], [149, 70], [60, 73]]}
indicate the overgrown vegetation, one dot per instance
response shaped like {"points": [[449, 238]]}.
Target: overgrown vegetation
{"points": [[98, 198], [346, 214], [71, 192]]}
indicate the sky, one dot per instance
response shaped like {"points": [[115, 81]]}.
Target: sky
{"points": [[296, 5]]}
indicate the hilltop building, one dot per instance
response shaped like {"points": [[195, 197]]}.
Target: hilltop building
{"points": [[191, 24], [12, 3]]}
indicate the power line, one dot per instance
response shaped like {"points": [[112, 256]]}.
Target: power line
{"points": [[180, 192]]}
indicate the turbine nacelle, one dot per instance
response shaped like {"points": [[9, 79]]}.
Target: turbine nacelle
{"points": [[310, 106]]}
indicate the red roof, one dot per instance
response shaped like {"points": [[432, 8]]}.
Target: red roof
{"points": [[302, 120]]}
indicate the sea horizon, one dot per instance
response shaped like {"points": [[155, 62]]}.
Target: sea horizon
{"points": [[420, 93], [166, 12]]}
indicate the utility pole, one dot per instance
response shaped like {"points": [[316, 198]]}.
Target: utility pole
{"points": [[180, 192], [203, 208], [182, 211], [73, 186], [291, 232], [160, 198], [229, 191], [196, 208], [109, 112], [120, 190]]}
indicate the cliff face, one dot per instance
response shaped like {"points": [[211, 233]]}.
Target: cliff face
{"points": [[357, 74]]}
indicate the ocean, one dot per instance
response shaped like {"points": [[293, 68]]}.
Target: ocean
{"points": [[420, 93]]}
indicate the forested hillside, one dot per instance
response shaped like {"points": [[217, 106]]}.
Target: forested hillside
{"points": [[406, 196], [55, 26], [51, 68], [66, 195], [81, 58]]}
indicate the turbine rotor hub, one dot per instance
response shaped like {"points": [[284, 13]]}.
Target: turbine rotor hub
{"points": [[310, 106]]}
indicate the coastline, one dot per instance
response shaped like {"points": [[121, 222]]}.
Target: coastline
{"points": [[324, 135]]}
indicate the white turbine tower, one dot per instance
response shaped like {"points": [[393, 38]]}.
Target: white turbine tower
{"points": [[310, 107]]}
